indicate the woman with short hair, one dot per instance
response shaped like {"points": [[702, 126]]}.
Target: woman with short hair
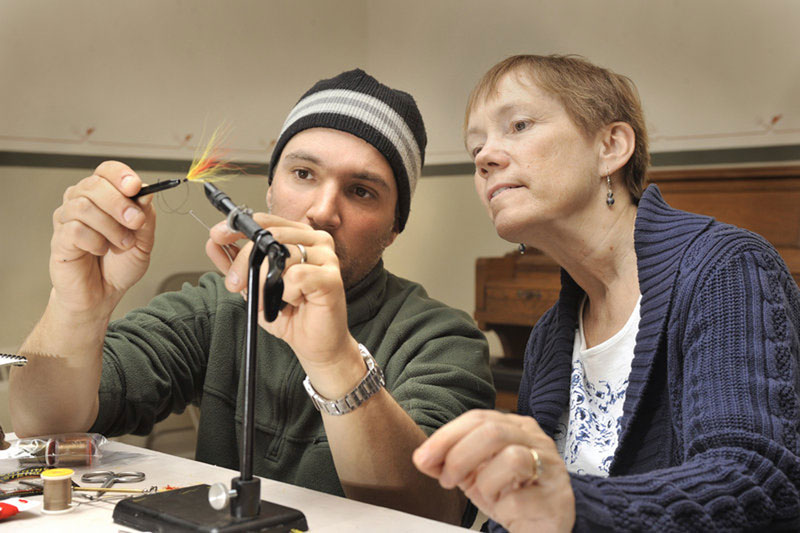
{"points": [[660, 393]]}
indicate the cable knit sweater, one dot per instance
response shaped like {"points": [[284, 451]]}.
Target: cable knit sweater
{"points": [[709, 435]]}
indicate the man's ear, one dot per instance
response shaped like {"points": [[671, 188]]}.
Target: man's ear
{"points": [[269, 198], [617, 143]]}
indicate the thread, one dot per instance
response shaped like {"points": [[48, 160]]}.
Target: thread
{"points": [[57, 490], [162, 201], [76, 451], [227, 248]]}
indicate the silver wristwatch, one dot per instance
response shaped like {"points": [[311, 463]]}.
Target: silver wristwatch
{"points": [[372, 383]]}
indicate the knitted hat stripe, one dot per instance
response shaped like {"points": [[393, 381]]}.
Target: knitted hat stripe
{"points": [[369, 110], [371, 107], [397, 143]]}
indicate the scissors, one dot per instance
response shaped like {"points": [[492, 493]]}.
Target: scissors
{"points": [[108, 478]]}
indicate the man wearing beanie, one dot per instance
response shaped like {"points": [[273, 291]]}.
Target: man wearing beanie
{"points": [[353, 374]]}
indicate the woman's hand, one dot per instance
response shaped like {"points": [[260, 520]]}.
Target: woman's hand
{"points": [[492, 457]]}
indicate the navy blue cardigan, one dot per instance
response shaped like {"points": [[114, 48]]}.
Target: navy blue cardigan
{"points": [[709, 435]]}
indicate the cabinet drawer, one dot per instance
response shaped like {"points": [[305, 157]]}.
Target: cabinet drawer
{"points": [[518, 304]]}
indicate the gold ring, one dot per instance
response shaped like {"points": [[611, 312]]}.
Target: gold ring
{"points": [[537, 466], [303, 254]]}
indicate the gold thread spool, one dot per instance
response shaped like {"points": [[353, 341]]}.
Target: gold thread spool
{"points": [[57, 490], [70, 452]]}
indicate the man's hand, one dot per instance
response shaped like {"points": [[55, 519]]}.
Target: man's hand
{"points": [[100, 247], [101, 241], [372, 445], [314, 321]]}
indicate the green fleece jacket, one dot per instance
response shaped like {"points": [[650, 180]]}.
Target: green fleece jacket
{"points": [[188, 346]]}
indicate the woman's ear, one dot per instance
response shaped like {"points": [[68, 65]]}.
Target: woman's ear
{"points": [[618, 142]]}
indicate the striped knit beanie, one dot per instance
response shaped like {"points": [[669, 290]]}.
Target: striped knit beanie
{"points": [[357, 103]]}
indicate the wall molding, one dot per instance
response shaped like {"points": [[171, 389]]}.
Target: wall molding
{"points": [[686, 158]]}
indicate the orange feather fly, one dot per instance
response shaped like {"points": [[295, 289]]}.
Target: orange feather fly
{"points": [[211, 164]]}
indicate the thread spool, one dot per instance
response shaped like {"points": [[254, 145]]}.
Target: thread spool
{"points": [[78, 451], [57, 488]]}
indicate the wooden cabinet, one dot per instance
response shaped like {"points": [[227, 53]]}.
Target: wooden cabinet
{"points": [[513, 291]]}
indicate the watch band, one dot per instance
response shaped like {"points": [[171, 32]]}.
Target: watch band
{"points": [[371, 383]]}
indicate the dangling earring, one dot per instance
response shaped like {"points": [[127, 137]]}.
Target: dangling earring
{"points": [[610, 195], [521, 248]]}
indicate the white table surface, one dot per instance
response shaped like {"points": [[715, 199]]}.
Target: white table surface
{"points": [[324, 512]]}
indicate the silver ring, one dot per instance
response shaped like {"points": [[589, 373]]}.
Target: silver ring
{"points": [[303, 254]]}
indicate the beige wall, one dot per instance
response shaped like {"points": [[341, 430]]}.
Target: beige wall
{"points": [[144, 74], [711, 73]]}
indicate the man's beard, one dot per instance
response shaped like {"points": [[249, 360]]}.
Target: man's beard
{"points": [[354, 269]]}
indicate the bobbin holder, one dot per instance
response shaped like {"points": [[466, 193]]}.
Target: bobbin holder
{"points": [[246, 490]]}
